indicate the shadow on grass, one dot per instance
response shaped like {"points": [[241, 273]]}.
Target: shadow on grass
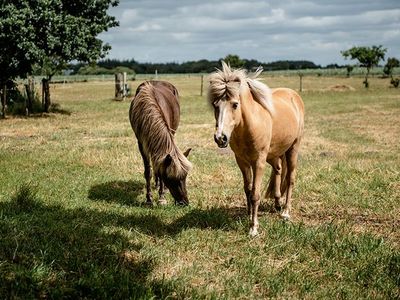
{"points": [[49, 251], [57, 109], [53, 252], [123, 192]]}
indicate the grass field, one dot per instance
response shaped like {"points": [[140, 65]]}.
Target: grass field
{"points": [[72, 224]]}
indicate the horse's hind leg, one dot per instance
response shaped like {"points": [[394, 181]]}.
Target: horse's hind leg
{"points": [[147, 174], [291, 158], [275, 183]]}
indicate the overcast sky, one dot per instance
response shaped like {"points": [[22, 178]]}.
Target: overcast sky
{"points": [[178, 31]]}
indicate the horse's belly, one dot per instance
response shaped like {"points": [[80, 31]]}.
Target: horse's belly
{"points": [[278, 150]]}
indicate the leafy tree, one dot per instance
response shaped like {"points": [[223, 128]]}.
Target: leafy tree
{"points": [[368, 57], [51, 33], [16, 47], [391, 63], [234, 61]]}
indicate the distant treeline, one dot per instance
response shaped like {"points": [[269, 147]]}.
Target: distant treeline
{"points": [[200, 66]]}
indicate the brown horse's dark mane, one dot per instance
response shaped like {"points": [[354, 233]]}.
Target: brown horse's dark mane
{"points": [[228, 83], [154, 133]]}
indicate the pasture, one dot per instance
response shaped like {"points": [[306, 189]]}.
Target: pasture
{"points": [[72, 223]]}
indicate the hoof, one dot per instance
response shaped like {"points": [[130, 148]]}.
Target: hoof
{"points": [[181, 203], [148, 203], [278, 205], [162, 202], [285, 216], [253, 232]]}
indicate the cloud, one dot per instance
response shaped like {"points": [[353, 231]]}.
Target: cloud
{"points": [[164, 31]]}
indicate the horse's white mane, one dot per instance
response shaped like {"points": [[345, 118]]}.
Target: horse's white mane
{"points": [[227, 83]]}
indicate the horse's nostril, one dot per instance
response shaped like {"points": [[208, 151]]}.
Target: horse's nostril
{"points": [[215, 139], [224, 138]]}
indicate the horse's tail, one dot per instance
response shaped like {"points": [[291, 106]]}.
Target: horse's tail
{"points": [[270, 193]]}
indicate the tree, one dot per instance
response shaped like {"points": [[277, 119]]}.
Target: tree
{"points": [[234, 61], [391, 63], [54, 33], [16, 47], [368, 57]]}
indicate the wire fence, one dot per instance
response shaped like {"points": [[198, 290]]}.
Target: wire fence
{"points": [[339, 72]]}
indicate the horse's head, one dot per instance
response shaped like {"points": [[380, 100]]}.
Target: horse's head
{"points": [[173, 171], [224, 96]]}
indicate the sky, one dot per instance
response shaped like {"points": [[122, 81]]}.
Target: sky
{"points": [[187, 30]]}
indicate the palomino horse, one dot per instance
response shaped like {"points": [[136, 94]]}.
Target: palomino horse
{"points": [[261, 125], [154, 115]]}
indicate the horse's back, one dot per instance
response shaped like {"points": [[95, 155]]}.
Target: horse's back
{"points": [[287, 121], [166, 96], [289, 96], [288, 104]]}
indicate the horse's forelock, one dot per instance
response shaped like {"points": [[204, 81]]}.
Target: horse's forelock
{"points": [[178, 168], [225, 83]]}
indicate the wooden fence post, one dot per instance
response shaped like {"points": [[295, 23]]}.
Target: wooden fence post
{"points": [[301, 81], [201, 85], [119, 86]]}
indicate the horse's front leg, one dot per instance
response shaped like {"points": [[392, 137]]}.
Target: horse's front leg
{"points": [[247, 174], [258, 172], [161, 193]]}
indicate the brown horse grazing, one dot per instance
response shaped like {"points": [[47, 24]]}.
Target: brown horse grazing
{"points": [[154, 115], [260, 125]]}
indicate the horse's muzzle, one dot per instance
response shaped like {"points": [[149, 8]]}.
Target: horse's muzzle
{"points": [[222, 141]]}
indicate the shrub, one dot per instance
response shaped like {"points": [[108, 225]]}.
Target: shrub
{"points": [[395, 82]]}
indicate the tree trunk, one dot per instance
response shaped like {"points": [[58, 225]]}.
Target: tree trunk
{"points": [[3, 100], [46, 94], [30, 95], [366, 84]]}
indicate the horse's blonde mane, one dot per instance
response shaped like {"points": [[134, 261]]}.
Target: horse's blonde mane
{"points": [[227, 83], [155, 135]]}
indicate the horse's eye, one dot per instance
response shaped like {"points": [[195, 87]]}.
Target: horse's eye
{"points": [[235, 105]]}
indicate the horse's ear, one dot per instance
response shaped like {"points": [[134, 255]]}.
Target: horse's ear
{"points": [[167, 160], [186, 153]]}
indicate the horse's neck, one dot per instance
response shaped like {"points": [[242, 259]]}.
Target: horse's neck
{"points": [[164, 145], [252, 112]]}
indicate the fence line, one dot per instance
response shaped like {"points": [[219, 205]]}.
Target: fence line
{"points": [[357, 72]]}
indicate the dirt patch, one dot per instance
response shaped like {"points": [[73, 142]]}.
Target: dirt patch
{"points": [[341, 88]]}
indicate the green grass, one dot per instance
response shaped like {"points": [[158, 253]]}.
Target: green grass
{"points": [[72, 223]]}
